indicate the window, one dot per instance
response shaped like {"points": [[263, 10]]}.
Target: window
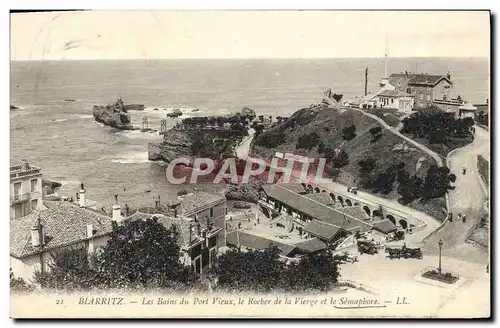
{"points": [[428, 97], [212, 212], [17, 188], [34, 185], [392, 101], [34, 204]]}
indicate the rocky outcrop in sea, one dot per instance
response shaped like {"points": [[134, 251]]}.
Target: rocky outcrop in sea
{"points": [[115, 116]]}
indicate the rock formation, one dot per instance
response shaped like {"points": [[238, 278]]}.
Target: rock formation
{"points": [[114, 115], [52, 184], [214, 144], [12, 107]]}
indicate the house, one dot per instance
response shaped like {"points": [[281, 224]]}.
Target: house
{"points": [[199, 217], [327, 233], [405, 91], [395, 99], [56, 226], [25, 189], [303, 209]]}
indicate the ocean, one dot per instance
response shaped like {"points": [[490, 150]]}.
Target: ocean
{"points": [[62, 138]]}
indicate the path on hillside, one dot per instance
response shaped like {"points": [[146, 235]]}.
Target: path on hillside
{"points": [[468, 197], [423, 148], [243, 147]]}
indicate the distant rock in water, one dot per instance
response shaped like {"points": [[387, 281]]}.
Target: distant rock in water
{"points": [[51, 184], [248, 112], [176, 113], [12, 107], [115, 116], [69, 99], [134, 107]]}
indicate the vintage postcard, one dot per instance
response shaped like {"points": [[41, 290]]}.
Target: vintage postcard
{"points": [[250, 164]]}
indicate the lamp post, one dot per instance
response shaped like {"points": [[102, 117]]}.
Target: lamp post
{"points": [[440, 243]]}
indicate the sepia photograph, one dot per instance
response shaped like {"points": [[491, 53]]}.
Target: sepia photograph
{"points": [[250, 164]]}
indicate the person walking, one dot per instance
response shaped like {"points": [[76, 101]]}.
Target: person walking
{"points": [[463, 219]]}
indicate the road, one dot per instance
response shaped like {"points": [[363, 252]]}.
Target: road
{"points": [[401, 277], [468, 198], [243, 147], [429, 152], [431, 222]]}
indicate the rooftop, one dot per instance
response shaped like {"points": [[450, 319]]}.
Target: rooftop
{"points": [[425, 79], [311, 245], [193, 203], [64, 223], [240, 238], [393, 93], [315, 209], [385, 226], [321, 229], [321, 197]]}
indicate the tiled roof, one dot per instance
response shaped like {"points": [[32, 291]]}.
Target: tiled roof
{"points": [[256, 242], [321, 197], [197, 202], [385, 226], [182, 226], [320, 229], [64, 223], [427, 79], [295, 187], [315, 209], [311, 245], [355, 211], [392, 93]]}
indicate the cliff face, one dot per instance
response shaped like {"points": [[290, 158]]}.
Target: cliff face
{"points": [[212, 144], [114, 115]]}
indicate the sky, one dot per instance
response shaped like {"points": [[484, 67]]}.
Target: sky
{"points": [[248, 34]]}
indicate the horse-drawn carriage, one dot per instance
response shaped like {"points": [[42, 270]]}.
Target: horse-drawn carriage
{"points": [[367, 247], [403, 252]]}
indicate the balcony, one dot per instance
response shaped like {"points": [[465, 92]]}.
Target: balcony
{"points": [[19, 198]]}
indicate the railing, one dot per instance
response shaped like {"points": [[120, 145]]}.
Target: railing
{"points": [[20, 197], [31, 171]]}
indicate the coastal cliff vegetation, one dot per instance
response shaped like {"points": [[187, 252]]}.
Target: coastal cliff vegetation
{"points": [[360, 152]]}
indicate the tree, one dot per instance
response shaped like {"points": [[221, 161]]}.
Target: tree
{"points": [[18, 284], [262, 271], [139, 254], [316, 271], [349, 132], [256, 271], [437, 182], [376, 133], [143, 253], [69, 269], [340, 159], [409, 188], [337, 97], [307, 141]]}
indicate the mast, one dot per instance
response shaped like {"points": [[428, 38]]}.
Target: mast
{"points": [[366, 81], [386, 55]]}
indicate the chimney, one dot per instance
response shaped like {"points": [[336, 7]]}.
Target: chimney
{"points": [[35, 236], [198, 229], [37, 233], [90, 234], [190, 233], [83, 202], [117, 213], [24, 165], [127, 210]]}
